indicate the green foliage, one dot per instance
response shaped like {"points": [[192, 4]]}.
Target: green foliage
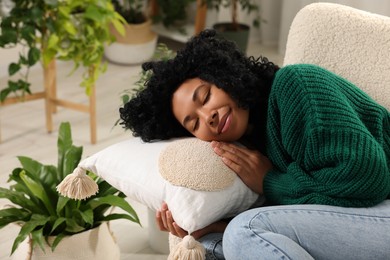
{"points": [[172, 11], [42, 212], [131, 10], [75, 30]]}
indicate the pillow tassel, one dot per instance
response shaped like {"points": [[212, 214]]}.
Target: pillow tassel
{"points": [[188, 249], [78, 185]]}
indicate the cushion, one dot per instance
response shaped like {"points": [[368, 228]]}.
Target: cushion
{"points": [[133, 167], [350, 42]]}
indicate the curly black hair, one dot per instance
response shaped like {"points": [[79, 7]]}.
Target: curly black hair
{"points": [[246, 79]]}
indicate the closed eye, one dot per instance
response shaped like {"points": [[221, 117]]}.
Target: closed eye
{"points": [[196, 125], [207, 97]]}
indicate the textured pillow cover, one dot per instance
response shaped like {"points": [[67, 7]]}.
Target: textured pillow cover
{"points": [[203, 191]]}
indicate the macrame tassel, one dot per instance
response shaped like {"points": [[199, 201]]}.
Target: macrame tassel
{"points": [[78, 185], [188, 249]]}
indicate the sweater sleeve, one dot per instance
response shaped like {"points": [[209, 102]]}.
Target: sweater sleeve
{"points": [[328, 141]]}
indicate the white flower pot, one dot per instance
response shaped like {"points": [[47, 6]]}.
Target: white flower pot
{"points": [[95, 244], [136, 46]]}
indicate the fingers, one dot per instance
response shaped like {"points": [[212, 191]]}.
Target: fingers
{"points": [[161, 218], [165, 222], [233, 156], [250, 165], [220, 148]]}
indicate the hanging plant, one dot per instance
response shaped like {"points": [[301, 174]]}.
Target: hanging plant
{"points": [[69, 30]]}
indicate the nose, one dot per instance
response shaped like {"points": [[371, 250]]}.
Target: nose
{"points": [[208, 116], [211, 118]]}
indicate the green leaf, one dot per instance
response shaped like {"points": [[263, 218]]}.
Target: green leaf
{"points": [[53, 41], [68, 155], [58, 222], [10, 215], [68, 26], [115, 201], [9, 36], [119, 216], [72, 226], [4, 94], [87, 216], [36, 13], [105, 188], [93, 13], [46, 174], [17, 198], [31, 166], [13, 68], [24, 86], [72, 159], [33, 55], [26, 229], [57, 240], [62, 201], [37, 189], [38, 238], [28, 33], [119, 27]]}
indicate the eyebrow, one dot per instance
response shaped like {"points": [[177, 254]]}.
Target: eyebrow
{"points": [[195, 96]]}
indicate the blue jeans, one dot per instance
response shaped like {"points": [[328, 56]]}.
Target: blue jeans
{"points": [[305, 232]]}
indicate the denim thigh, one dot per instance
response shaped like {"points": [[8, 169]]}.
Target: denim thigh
{"points": [[213, 244], [309, 232]]}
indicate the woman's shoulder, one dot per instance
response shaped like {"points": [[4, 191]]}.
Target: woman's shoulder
{"points": [[291, 79], [306, 76], [302, 69]]}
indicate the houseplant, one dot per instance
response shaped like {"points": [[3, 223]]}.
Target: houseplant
{"points": [[46, 217], [234, 30], [138, 42], [75, 30], [172, 13]]}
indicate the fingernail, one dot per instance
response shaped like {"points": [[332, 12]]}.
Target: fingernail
{"points": [[164, 206], [217, 150]]}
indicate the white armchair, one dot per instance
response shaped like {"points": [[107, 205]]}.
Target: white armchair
{"points": [[352, 43]]}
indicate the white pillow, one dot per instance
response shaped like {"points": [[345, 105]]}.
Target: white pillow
{"points": [[132, 167]]}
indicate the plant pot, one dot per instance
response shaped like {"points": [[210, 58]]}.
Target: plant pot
{"points": [[95, 244], [136, 46], [238, 35]]}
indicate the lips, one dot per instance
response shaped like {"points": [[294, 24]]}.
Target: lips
{"points": [[224, 123]]}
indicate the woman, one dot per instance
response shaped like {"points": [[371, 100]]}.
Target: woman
{"points": [[318, 149]]}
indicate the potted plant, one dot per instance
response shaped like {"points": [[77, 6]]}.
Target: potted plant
{"points": [[173, 14], [138, 42], [47, 219], [234, 30], [74, 30]]}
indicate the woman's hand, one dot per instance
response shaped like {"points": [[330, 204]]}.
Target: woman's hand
{"points": [[165, 222], [251, 166]]}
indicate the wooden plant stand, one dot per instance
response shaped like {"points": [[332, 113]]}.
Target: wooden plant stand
{"points": [[49, 94]]}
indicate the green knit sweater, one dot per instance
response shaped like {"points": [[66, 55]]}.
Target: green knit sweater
{"points": [[329, 142]]}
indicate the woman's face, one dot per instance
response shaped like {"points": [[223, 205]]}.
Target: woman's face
{"points": [[208, 112]]}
